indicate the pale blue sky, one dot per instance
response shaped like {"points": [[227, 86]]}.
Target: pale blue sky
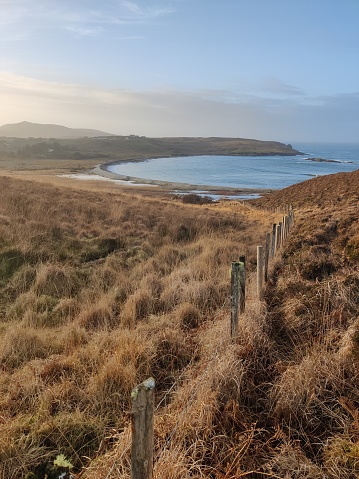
{"points": [[284, 70]]}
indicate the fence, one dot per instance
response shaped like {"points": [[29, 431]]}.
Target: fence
{"points": [[143, 394], [273, 243]]}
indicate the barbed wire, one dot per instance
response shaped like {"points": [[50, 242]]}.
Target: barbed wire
{"points": [[117, 461]]}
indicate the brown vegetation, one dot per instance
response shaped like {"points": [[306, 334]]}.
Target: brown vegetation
{"points": [[100, 291], [114, 148]]}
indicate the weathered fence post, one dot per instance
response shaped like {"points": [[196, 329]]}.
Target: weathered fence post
{"points": [[142, 430], [267, 253], [291, 216], [260, 270], [242, 284], [234, 299], [278, 236], [274, 231], [238, 293], [284, 228], [289, 221]]}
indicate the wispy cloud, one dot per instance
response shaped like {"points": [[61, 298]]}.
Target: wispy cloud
{"points": [[127, 12], [274, 86], [76, 17], [148, 12], [82, 31], [179, 113]]}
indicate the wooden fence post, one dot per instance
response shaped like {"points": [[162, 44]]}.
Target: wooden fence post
{"points": [[278, 236], [267, 253], [260, 270], [284, 228], [234, 299], [242, 284], [142, 430], [291, 216], [274, 232], [238, 293]]}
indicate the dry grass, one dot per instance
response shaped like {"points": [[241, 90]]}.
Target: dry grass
{"points": [[100, 291]]}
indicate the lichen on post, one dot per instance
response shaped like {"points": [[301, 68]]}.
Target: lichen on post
{"points": [[142, 430]]}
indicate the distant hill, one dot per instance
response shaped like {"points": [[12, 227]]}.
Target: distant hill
{"points": [[27, 140], [27, 129]]}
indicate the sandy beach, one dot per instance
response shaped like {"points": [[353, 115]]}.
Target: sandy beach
{"points": [[90, 175], [102, 170]]}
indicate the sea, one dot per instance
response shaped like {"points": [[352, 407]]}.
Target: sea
{"points": [[255, 172]]}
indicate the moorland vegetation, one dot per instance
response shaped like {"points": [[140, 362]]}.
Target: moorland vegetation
{"points": [[100, 291], [131, 148]]}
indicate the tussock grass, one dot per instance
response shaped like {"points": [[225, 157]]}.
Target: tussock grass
{"points": [[188, 315], [20, 345], [56, 281], [106, 290], [102, 291]]}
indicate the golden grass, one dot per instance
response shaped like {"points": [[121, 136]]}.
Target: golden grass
{"points": [[100, 291]]}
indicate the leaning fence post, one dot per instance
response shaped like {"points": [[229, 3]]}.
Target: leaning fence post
{"points": [[142, 430], [260, 269]]}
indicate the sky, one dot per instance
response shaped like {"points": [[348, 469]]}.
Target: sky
{"points": [[284, 70]]}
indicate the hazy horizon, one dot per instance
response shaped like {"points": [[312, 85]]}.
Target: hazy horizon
{"points": [[278, 70], [302, 143]]}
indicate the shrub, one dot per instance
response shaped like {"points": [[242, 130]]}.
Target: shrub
{"points": [[183, 233], [195, 199]]}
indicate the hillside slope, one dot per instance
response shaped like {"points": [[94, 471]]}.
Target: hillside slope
{"points": [[322, 191], [100, 291], [26, 129]]}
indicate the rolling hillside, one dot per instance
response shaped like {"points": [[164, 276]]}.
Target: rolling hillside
{"points": [[26, 129], [325, 191], [99, 291], [27, 141]]}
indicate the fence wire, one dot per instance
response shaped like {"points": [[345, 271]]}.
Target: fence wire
{"points": [[160, 453]]}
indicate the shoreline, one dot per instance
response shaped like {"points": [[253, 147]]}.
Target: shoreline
{"points": [[172, 185]]}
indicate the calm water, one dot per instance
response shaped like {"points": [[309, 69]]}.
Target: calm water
{"points": [[273, 172]]}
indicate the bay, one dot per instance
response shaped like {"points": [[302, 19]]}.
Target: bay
{"points": [[256, 172]]}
